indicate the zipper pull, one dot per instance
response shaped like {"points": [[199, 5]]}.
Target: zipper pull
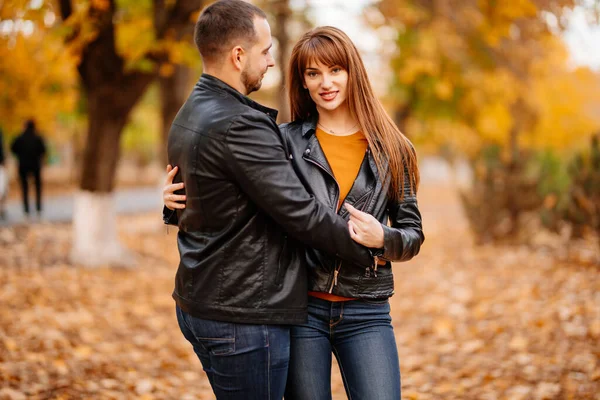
{"points": [[375, 259], [335, 275]]}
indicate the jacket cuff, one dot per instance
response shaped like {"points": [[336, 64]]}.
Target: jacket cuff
{"points": [[390, 244], [170, 216]]}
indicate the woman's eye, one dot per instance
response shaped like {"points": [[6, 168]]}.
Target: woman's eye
{"points": [[312, 74], [336, 70]]}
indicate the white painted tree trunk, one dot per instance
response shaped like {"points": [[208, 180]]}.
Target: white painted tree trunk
{"points": [[95, 236]]}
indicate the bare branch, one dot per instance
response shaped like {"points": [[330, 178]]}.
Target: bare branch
{"points": [[178, 18]]}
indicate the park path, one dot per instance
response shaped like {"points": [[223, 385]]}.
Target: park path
{"points": [[59, 208], [471, 322]]}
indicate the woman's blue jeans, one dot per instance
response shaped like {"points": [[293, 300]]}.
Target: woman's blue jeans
{"points": [[242, 361], [360, 335]]}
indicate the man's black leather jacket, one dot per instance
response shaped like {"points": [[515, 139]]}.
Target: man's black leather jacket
{"points": [[243, 198], [402, 240]]}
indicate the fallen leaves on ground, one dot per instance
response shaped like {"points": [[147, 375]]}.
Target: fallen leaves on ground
{"points": [[471, 322]]}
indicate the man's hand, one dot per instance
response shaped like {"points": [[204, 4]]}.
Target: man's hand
{"points": [[169, 197], [364, 228]]}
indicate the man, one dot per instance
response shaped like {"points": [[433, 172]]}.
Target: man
{"points": [[30, 149], [240, 281]]}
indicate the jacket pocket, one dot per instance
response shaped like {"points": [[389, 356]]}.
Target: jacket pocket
{"points": [[282, 262], [376, 287]]}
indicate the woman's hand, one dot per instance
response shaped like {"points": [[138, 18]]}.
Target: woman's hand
{"points": [[364, 228], [169, 197]]}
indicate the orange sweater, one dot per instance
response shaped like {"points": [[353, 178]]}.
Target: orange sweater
{"points": [[344, 155]]}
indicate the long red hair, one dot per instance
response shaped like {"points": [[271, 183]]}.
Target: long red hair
{"points": [[331, 46]]}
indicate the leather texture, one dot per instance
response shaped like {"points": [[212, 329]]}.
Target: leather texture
{"points": [[402, 239], [246, 212]]}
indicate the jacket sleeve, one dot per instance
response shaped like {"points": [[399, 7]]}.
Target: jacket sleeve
{"points": [[259, 163], [402, 240]]}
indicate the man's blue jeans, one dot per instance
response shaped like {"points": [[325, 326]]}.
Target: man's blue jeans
{"points": [[360, 335], [242, 361]]}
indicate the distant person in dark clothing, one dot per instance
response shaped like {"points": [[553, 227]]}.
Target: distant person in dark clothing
{"points": [[3, 179], [29, 148]]}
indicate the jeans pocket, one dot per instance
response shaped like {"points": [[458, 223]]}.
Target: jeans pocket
{"points": [[216, 337], [218, 346]]}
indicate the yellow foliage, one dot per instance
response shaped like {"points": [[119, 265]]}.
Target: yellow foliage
{"points": [[135, 37], [494, 122], [443, 89], [37, 80], [102, 5], [473, 72], [416, 67], [166, 70], [567, 103]]}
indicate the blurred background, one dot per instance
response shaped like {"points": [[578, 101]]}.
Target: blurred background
{"points": [[500, 98]]}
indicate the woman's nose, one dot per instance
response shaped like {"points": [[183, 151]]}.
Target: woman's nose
{"points": [[326, 83]]}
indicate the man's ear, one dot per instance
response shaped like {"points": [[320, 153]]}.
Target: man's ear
{"points": [[238, 56]]}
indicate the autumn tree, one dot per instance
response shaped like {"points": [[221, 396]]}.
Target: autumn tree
{"points": [[37, 79], [282, 13], [174, 78], [114, 75], [478, 73], [288, 21]]}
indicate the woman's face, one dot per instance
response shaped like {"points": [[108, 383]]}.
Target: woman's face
{"points": [[326, 85]]}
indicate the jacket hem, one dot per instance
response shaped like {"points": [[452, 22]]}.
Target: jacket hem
{"points": [[243, 315]]}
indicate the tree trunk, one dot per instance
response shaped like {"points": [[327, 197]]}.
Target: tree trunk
{"points": [[282, 13], [174, 90], [514, 182], [401, 117], [95, 239], [111, 93]]}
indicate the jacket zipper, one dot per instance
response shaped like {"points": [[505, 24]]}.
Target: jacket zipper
{"points": [[374, 266], [336, 270], [375, 259], [337, 197]]}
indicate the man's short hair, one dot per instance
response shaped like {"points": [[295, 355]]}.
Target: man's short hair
{"points": [[221, 24]]}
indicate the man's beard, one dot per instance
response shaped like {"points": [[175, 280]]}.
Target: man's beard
{"points": [[252, 84]]}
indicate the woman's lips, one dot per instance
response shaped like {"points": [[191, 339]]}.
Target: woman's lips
{"points": [[328, 96]]}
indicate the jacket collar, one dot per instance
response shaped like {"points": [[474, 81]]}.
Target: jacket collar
{"points": [[315, 151], [310, 124], [215, 84]]}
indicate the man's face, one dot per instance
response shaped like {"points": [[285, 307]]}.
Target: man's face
{"points": [[259, 57]]}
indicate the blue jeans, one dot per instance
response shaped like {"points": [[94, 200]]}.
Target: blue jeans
{"points": [[361, 336], [242, 361]]}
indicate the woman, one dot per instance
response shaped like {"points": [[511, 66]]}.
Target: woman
{"points": [[351, 156]]}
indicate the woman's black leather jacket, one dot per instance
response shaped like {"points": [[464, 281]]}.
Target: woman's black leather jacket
{"points": [[402, 239]]}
